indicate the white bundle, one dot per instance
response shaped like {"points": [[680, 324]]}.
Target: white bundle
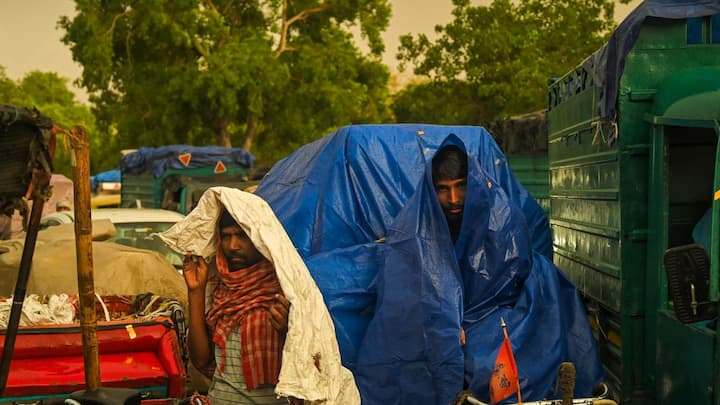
{"points": [[57, 310]]}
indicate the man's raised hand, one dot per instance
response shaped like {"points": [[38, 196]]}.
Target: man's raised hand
{"points": [[195, 271], [279, 310]]}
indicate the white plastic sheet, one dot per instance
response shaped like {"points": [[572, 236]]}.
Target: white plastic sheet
{"points": [[311, 367]]}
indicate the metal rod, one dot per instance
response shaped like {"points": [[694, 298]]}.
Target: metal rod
{"points": [[40, 182], [83, 247]]}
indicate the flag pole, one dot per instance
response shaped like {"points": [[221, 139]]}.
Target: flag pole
{"points": [[505, 332]]}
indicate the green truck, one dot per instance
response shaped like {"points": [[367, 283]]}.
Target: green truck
{"points": [[174, 177], [634, 173], [523, 140]]}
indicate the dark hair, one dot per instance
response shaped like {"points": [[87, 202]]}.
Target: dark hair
{"points": [[226, 219], [449, 163]]}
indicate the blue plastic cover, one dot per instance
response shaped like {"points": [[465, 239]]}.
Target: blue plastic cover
{"points": [[158, 160], [361, 208], [110, 176], [702, 231], [607, 64]]}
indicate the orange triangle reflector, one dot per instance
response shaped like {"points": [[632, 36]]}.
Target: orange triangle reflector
{"points": [[220, 167], [185, 158]]}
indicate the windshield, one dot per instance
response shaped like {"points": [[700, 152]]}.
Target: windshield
{"points": [[136, 234]]}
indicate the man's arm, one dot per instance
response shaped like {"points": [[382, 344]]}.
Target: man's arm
{"points": [[195, 271]]}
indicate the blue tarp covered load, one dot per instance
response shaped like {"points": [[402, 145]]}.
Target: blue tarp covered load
{"points": [[361, 209], [109, 176], [607, 64], [158, 160]]}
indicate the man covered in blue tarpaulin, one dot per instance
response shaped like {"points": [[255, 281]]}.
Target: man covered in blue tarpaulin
{"points": [[403, 283]]}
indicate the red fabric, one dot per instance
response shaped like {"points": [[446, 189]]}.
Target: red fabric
{"points": [[53, 139], [244, 297], [504, 379]]}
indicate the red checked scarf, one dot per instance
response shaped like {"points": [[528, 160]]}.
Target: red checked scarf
{"points": [[243, 297]]}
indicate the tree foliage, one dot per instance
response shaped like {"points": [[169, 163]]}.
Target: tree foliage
{"points": [[49, 93], [267, 73], [494, 61]]}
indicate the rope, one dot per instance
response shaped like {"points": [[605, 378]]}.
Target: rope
{"points": [[104, 307], [595, 123]]}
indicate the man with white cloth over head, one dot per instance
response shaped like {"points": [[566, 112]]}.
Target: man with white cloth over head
{"points": [[310, 369]]}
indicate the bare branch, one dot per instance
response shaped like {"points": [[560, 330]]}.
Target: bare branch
{"points": [[209, 4], [225, 38], [115, 20], [227, 7], [306, 13], [127, 49], [200, 48], [283, 32], [286, 23]]}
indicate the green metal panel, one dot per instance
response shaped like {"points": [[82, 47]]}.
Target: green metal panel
{"points": [[680, 178], [142, 187], [676, 75], [532, 172], [192, 192], [604, 199], [715, 256], [209, 171], [523, 140], [149, 190], [585, 219], [684, 368], [690, 94]]}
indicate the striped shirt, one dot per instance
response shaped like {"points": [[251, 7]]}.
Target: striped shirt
{"points": [[228, 386]]}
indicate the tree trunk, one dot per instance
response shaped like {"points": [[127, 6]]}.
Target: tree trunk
{"points": [[250, 132], [222, 133]]}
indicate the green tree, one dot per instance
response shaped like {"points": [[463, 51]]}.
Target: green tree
{"points": [[8, 88], [49, 93], [447, 102], [494, 61], [266, 73]]}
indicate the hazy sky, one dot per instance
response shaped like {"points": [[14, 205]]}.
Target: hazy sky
{"points": [[29, 39]]}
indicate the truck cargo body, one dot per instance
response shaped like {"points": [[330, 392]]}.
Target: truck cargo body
{"points": [[624, 191]]}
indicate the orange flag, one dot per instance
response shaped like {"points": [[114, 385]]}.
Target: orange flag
{"points": [[504, 380]]}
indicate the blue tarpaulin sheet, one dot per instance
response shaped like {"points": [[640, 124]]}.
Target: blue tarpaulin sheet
{"points": [[110, 176], [702, 231], [361, 209], [158, 160]]}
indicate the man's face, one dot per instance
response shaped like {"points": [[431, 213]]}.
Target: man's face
{"points": [[238, 248], [451, 194]]}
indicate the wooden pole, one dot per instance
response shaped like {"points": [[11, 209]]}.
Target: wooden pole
{"points": [[83, 248], [40, 182]]}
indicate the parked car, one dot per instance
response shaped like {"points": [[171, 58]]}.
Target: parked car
{"points": [[57, 218], [105, 201], [133, 227]]}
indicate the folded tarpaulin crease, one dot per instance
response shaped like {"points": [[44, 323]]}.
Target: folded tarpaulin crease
{"points": [[311, 336]]}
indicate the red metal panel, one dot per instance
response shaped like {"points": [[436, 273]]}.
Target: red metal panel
{"points": [[48, 360], [54, 375]]}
